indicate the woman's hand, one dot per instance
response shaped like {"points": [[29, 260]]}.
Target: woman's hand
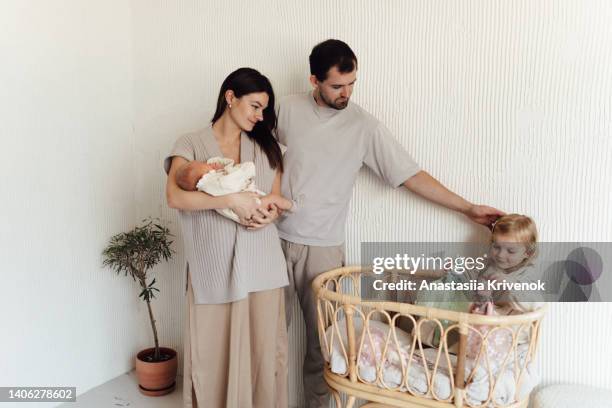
{"points": [[264, 217], [269, 210], [245, 205]]}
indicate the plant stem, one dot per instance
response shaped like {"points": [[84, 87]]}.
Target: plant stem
{"points": [[156, 355], [143, 283]]}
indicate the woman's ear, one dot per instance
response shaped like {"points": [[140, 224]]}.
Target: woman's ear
{"points": [[229, 97]]}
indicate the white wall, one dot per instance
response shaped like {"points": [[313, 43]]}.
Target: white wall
{"points": [[67, 178], [507, 102]]}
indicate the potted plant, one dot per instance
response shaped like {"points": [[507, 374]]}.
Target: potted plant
{"points": [[135, 253]]}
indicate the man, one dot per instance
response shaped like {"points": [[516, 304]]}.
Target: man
{"points": [[328, 140]]}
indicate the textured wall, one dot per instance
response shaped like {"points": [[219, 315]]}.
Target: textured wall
{"points": [[509, 103], [67, 186]]}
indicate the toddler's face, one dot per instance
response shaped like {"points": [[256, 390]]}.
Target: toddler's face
{"points": [[507, 252]]}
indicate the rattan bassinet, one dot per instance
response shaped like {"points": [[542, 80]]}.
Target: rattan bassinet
{"points": [[400, 370]]}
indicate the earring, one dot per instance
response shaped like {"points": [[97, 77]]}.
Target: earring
{"points": [[230, 105]]}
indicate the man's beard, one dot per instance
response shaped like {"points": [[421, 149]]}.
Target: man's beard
{"points": [[337, 106]]}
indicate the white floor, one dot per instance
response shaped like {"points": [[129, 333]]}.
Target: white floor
{"points": [[123, 391]]}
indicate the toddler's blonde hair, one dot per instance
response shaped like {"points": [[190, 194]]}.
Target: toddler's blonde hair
{"points": [[523, 228]]}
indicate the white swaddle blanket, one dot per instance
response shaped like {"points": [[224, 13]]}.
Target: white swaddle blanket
{"points": [[232, 178]]}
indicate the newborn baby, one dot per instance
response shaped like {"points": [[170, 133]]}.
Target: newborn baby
{"points": [[220, 176], [189, 174]]}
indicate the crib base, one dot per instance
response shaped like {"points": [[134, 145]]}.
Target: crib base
{"points": [[382, 398]]}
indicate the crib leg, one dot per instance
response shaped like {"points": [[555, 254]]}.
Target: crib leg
{"points": [[336, 396], [350, 401]]}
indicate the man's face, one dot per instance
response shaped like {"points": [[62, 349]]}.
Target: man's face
{"points": [[337, 88]]}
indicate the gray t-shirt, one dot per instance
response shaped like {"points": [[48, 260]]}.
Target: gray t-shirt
{"points": [[225, 260], [325, 150]]}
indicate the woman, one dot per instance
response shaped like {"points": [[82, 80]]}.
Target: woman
{"points": [[235, 337]]}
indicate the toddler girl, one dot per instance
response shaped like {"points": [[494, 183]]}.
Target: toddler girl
{"points": [[511, 258]]}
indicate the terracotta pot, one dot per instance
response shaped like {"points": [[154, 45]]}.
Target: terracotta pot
{"points": [[156, 378]]}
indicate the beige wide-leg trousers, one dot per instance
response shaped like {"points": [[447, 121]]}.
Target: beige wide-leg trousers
{"points": [[236, 353]]}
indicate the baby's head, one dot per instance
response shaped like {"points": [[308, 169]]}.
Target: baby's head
{"points": [[189, 174], [513, 241]]}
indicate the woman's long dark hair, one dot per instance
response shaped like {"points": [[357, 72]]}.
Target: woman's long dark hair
{"points": [[244, 81]]}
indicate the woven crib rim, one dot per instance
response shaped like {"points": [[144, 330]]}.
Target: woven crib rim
{"points": [[321, 292]]}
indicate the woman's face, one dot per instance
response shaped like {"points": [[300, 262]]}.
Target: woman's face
{"points": [[507, 252], [247, 110]]}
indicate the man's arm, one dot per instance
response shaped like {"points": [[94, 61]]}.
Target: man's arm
{"points": [[423, 184]]}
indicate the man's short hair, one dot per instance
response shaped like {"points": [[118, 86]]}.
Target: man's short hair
{"points": [[331, 53]]}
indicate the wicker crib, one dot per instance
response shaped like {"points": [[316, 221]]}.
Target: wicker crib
{"points": [[400, 370]]}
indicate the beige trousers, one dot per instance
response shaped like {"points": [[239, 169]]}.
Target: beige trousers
{"points": [[304, 263], [236, 353]]}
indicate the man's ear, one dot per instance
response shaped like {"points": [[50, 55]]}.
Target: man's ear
{"points": [[314, 81]]}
